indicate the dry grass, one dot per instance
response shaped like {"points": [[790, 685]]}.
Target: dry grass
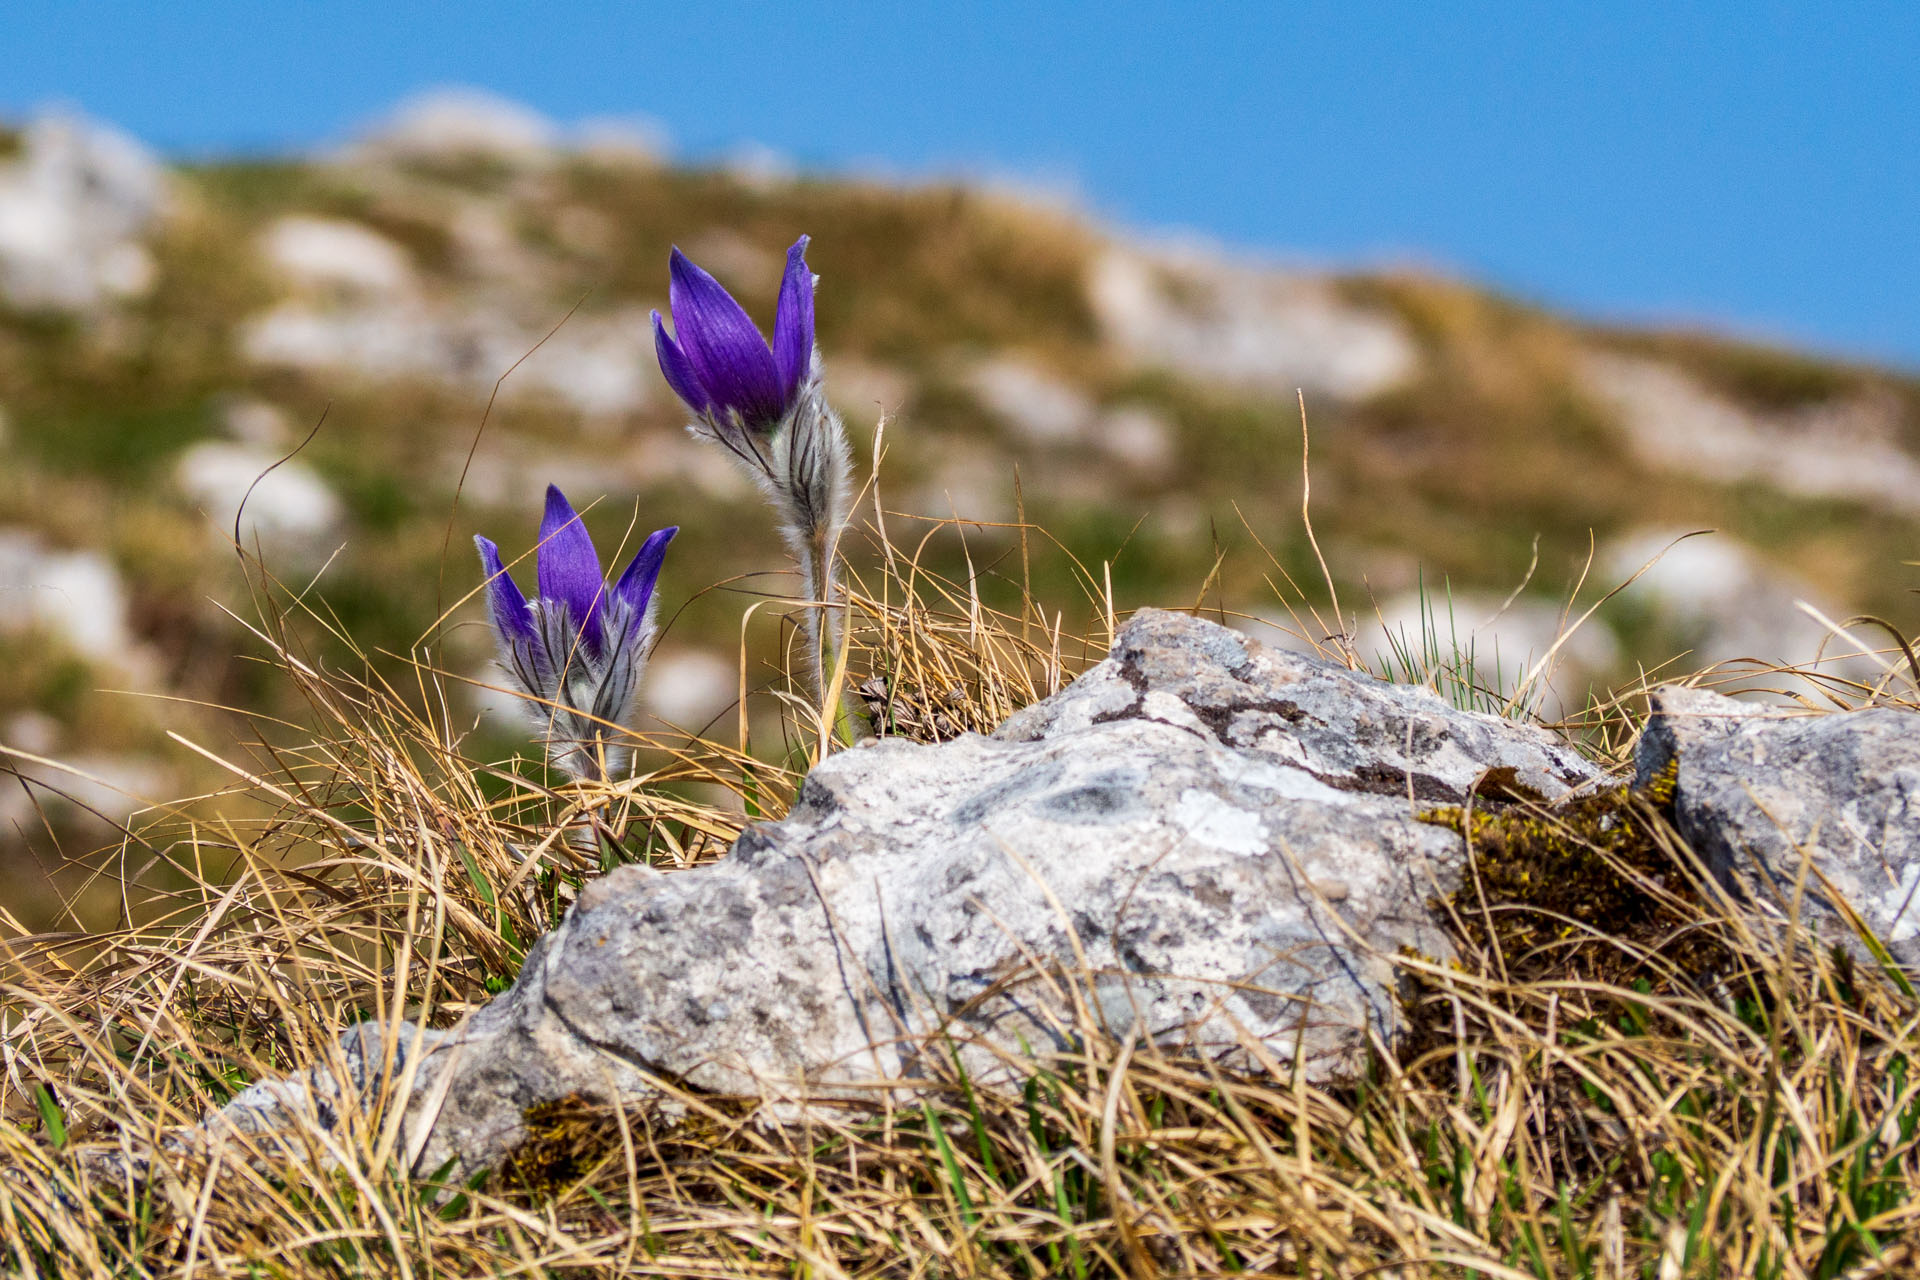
{"points": [[1687, 1099]]}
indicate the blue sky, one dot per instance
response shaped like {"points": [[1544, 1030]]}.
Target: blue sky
{"points": [[1750, 165]]}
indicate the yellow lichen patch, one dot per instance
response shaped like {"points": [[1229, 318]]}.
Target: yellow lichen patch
{"points": [[1595, 888], [566, 1139]]}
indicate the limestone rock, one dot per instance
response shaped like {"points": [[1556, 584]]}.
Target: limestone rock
{"points": [[1759, 786], [73, 205], [1848, 448], [1730, 607], [1203, 842], [1215, 321]]}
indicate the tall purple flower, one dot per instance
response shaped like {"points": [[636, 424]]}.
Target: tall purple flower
{"points": [[577, 649], [721, 366], [763, 403]]}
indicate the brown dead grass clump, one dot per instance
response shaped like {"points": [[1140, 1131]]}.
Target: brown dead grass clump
{"points": [[1649, 1090]]}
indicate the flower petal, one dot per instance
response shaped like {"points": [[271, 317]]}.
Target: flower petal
{"points": [[569, 566], [793, 324], [636, 584], [511, 618], [677, 370], [727, 353]]}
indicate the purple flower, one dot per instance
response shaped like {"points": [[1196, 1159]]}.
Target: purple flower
{"points": [[721, 366], [765, 405], [577, 649]]}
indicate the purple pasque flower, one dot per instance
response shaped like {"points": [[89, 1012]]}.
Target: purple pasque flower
{"points": [[720, 365], [577, 649], [761, 401]]}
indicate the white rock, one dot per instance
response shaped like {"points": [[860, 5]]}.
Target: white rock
{"points": [[1724, 599], [1236, 885], [256, 422], [1842, 449], [597, 365], [454, 122], [290, 502], [1049, 412], [97, 789], [1137, 437], [862, 391], [759, 167], [623, 140], [687, 688], [335, 253], [76, 595], [72, 205], [1212, 320], [34, 731], [1040, 407]]}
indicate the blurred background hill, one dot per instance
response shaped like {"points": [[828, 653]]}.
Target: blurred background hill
{"points": [[172, 332]]}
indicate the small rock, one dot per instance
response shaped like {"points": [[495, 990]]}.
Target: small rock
{"points": [[597, 365], [1039, 406], [77, 595], [289, 504], [689, 687], [334, 253], [1721, 599], [1846, 448], [456, 123], [73, 203], [628, 141], [1213, 320], [1784, 804], [256, 422]]}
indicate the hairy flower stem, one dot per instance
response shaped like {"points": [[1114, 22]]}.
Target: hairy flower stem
{"points": [[825, 627]]}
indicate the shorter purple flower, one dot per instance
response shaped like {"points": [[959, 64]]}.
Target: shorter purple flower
{"points": [[578, 648], [721, 366]]}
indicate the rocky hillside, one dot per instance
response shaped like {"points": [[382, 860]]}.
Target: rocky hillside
{"points": [[168, 333]]}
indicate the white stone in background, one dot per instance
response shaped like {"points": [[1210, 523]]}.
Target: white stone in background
{"points": [[98, 789], [492, 700], [623, 140], [597, 365], [1039, 406], [1213, 320], [1137, 437], [862, 392], [759, 167], [72, 205], [290, 502], [34, 731], [335, 253], [971, 484], [660, 456], [76, 595], [455, 122], [256, 422], [126, 270], [1728, 602], [1049, 411], [1504, 644], [487, 246], [687, 688], [1846, 448]]}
